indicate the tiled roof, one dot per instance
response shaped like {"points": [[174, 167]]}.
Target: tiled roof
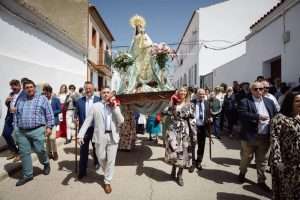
{"points": [[268, 13]]}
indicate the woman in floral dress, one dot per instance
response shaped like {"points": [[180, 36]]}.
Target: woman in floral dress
{"points": [[285, 149], [180, 133]]}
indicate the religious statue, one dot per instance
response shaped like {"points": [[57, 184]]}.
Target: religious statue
{"points": [[142, 75]]}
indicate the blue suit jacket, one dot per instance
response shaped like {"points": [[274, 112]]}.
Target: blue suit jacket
{"points": [[55, 104], [249, 117], [80, 108]]}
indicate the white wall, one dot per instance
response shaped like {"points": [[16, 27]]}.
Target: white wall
{"points": [[266, 45], [229, 21], [189, 54], [235, 70], [27, 52], [291, 72], [220, 25]]}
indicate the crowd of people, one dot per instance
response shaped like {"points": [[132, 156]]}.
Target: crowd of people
{"points": [[268, 116]]}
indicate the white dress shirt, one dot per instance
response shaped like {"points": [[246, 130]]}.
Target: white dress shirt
{"points": [[262, 110], [197, 113], [108, 116], [88, 104]]}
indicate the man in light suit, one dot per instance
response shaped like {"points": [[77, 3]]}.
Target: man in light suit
{"points": [[107, 118], [83, 105], [255, 113]]}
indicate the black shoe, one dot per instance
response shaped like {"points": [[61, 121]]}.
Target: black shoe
{"points": [[97, 166], [241, 178], [264, 187], [23, 181], [68, 141], [199, 166], [218, 137], [50, 155], [192, 168], [180, 180], [46, 170], [80, 176]]}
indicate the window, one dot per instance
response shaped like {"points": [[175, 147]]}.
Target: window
{"points": [[100, 43], [94, 37]]}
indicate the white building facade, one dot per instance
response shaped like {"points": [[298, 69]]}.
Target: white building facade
{"points": [[215, 26], [272, 49], [32, 47]]}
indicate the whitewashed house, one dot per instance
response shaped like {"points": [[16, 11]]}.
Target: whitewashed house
{"points": [[42, 45], [272, 48], [215, 26]]}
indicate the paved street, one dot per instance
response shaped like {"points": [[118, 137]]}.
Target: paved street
{"points": [[141, 174]]}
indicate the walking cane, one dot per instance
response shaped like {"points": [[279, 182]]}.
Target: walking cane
{"points": [[210, 139], [76, 161]]}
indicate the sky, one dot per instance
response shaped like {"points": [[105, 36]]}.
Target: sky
{"points": [[166, 19]]}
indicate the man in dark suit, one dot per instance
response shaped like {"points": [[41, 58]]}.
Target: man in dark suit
{"points": [[56, 108], [11, 102], [202, 115], [82, 108], [255, 114]]}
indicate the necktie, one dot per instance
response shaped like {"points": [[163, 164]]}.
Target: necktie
{"points": [[200, 111]]}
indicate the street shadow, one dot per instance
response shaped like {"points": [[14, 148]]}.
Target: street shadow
{"points": [[153, 173], [227, 162], [231, 196], [4, 153], [220, 176], [15, 172], [71, 150], [69, 166], [255, 189], [136, 156], [230, 143]]}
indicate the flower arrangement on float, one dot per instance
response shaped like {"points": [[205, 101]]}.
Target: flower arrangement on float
{"points": [[161, 52], [122, 61]]}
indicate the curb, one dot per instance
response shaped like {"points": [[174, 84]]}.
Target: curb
{"points": [[5, 173]]}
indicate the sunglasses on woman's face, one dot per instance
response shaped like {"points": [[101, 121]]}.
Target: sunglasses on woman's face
{"points": [[260, 89]]}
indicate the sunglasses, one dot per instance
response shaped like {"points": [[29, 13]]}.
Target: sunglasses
{"points": [[260, 89], [267, 87]]}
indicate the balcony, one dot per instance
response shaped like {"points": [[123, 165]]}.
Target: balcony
{"points": [[100, 60], [100, 57]]}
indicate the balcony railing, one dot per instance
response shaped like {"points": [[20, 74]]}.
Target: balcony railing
{"points": [[100, 57]]}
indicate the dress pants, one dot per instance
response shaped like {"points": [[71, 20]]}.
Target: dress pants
{"points": [[84, 151], [106, 153], [261, 149], [70, 124], [201, 135], [8, 136], [34, 139]]}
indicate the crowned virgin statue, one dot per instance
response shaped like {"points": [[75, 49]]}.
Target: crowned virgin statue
{"points": [[142, 76]]}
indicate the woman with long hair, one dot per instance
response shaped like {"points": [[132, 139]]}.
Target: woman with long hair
{"points": [[179, 134], [285, 149]]}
